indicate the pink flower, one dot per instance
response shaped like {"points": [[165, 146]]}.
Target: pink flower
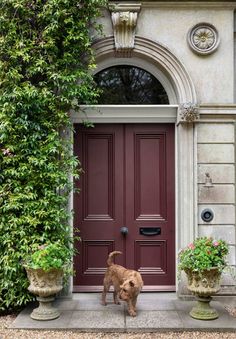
{"points": [[41, 247], [215, 243], [191, 246], [6, 151]]}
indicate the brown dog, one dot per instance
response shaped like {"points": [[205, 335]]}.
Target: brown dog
{"points": [[127, 284]]}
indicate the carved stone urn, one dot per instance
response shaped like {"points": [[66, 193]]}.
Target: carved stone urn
{"points": [[45, 284], [203, 285]]}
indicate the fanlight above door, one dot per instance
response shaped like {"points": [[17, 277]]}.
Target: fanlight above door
{"points": [[129, 85]]}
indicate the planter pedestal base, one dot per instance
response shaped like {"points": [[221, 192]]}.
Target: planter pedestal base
{"points": [[45, 311], [202, 310], [204, 284]]}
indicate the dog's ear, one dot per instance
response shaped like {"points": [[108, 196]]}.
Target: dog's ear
{"points": [[131, 283]]}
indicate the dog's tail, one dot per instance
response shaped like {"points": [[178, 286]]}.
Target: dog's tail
{"points": [[110, 261]]}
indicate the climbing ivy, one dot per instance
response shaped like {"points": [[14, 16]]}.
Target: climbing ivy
{"points": [[45, 71]]}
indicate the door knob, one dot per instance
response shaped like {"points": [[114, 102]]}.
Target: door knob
{"points": [[124, 230]]}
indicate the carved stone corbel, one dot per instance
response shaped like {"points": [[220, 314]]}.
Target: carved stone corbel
{"points": [[124, 19], [188, 113]]}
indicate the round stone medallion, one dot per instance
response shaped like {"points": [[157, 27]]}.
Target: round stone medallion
{"points": [[203, 38]]}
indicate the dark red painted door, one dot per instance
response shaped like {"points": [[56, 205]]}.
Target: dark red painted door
{"points": [[128, 180]]}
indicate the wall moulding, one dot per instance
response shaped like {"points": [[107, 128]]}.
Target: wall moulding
{"points": [[124, 20], [212, 109], [188, 4]]}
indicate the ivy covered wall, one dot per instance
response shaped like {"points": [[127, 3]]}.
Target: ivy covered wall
{"points": [[45, 70]]}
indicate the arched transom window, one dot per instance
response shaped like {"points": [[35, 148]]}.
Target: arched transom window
{"points": [[129, 85]]}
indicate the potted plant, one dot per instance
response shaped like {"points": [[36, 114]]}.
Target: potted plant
{"points": [[203, 262], [45, 266]]}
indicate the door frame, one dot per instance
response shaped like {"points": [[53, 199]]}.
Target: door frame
{"points": [[185, 159], [166, 133]]}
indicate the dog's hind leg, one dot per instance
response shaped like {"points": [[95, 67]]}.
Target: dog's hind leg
{"points": [[115, 297], [106, 287], [104, 293]]}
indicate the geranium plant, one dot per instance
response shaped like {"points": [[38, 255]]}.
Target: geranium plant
{"points": [[48, 256], [203, 254]]}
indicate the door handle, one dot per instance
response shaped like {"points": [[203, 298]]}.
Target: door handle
{"points": [[124, 230], [149, 231]]}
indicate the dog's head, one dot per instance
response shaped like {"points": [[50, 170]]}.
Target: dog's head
{"points": [[129, 289]]}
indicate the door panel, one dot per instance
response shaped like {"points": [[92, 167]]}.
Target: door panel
{"points": [[149, 172], [98, 207], [151, 257], [98, 179], [150, 194], [128, 180]]}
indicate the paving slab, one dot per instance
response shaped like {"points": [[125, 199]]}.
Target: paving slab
{"points": [[66, 305], [151, 321], [23, 321], [98, 321], [155, 312], [224, 322], [156, 305]]}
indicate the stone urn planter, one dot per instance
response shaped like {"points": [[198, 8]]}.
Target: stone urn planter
{"points": [[203, 261], [203, 285], [45, 266], [45, 284]]}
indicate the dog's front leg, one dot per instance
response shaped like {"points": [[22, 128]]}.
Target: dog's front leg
{"points": [[131, 309], [134, 302]]}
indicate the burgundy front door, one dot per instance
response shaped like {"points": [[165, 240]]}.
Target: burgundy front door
{"points": [[128, 181]]}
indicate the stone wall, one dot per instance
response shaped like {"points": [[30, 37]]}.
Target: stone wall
{"points": [[168, 26], [216, 156]]}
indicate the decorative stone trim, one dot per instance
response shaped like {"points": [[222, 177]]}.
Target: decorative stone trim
{"points": [[156, 54], [188, 113], [218, 109], [203, 38], [189, 4], [126, 114], [124, 19]]}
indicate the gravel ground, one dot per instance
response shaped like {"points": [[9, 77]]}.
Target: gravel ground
{"points": [[6, 333]]}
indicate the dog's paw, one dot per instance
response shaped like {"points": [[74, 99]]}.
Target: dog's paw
{"points": [[132, 313], [104, 303], [117, 302]]}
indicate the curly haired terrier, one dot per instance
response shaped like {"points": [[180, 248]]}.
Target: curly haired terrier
{"points": [[127, 284]]}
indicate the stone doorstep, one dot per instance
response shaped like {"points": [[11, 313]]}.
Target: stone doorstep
{"points": [[156, 312]]}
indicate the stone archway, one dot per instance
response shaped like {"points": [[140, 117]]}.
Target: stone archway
{"points": [[163, 64], [158, 59]]}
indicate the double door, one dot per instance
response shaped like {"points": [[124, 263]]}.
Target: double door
{"points": [[126, 202]]}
